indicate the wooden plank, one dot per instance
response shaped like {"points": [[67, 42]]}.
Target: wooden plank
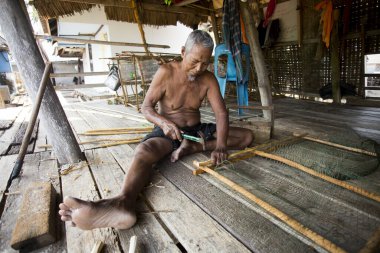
{"points": [[17, 141], [6, 165], [80, 184], [193, 228], [8, 116], [41, 139], [248, 225], [36, 168], [9, 134], [109, 178]]}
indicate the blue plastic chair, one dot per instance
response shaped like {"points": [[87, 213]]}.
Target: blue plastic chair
{"points": [[241, 89]]}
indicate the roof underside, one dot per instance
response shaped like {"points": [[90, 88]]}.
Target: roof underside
{"points": [[152, 12]]}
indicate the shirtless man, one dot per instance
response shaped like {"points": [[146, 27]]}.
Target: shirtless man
{"points": [[179, 89]]}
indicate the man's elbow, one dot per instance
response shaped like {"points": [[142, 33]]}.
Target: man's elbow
{"points": [[144, 110]]}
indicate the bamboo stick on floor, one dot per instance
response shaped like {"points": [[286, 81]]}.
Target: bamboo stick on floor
{"points": [[120, 129], [134, 140], [114, 133], [318, 239], [340, 183], [356, 150]]}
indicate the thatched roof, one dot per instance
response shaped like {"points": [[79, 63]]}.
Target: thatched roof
{"points": [[152, 12]]}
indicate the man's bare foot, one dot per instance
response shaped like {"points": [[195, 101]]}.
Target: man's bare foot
{"points": [[187, 147], [104, 213]]}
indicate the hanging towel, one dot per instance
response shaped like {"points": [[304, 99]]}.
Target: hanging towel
{"points": [[232, 34], [326, 19]]}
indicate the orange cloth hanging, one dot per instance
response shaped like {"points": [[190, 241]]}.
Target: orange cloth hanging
{"points": [[326, 19], [243, 33]]}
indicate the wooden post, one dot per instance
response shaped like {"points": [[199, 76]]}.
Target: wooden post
{"points": [[299, 22], [18, 32], [214, 24], [335, 62], [258, 59]]}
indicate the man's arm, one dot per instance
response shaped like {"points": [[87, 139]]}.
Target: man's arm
{"points": [[155, 93], [221, 115]]}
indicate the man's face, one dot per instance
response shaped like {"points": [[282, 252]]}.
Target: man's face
{"points": [[196, 61]]}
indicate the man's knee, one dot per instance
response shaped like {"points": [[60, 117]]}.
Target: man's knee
{"points": [[144, 152], [149, 152]]}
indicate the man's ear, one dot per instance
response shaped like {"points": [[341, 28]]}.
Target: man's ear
{"points": [[183, 50]]}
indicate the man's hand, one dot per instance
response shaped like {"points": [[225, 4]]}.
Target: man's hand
{"points": [[219, 155], [171, 130]]}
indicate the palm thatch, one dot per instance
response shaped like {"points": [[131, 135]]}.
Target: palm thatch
{"points": [[156, 14]]}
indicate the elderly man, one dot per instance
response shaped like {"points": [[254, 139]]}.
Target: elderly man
{"points": [[179, 89]]}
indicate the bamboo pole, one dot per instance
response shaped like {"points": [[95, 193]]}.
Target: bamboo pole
{"points": [[100, 42], [373, 244], [356, 150], [137, 93], [139, 67], [138, 21], [133, 140], [115, 133], [342, 184], [318, 239], [101, 73], [118, 143], [120, 129]]}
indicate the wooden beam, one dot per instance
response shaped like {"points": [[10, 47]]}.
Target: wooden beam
{"points": [[100, 42], [15, 27]]}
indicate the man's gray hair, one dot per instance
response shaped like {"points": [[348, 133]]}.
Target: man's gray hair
{"points": [[199, 37]]}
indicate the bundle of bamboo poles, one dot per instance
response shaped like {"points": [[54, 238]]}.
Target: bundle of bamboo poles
{"points": [[112, 131], [116, 131], [110, 142]]}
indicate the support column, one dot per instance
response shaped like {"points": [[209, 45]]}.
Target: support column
{"points": [[335, 61], [258, 59], [19, 35]]}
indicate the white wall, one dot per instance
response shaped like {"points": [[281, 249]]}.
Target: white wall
{"points": [[173, 36], [89, 21]]}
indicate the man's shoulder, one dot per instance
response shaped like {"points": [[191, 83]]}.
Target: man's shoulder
{"points": [[208, 77], [170, 66]]}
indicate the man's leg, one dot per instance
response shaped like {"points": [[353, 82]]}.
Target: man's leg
{"points": [[238, 138], [118, 212]]}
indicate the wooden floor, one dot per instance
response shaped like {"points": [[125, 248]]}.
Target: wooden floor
{"points": [[179, 212]]}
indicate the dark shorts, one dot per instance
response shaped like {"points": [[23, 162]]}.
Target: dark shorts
{"points": [[208, 129]]}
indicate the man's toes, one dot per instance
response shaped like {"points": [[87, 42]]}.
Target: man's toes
{"points": [[64, 212], [63, 207], [174, 157], [66, 218], [73, 203]]}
